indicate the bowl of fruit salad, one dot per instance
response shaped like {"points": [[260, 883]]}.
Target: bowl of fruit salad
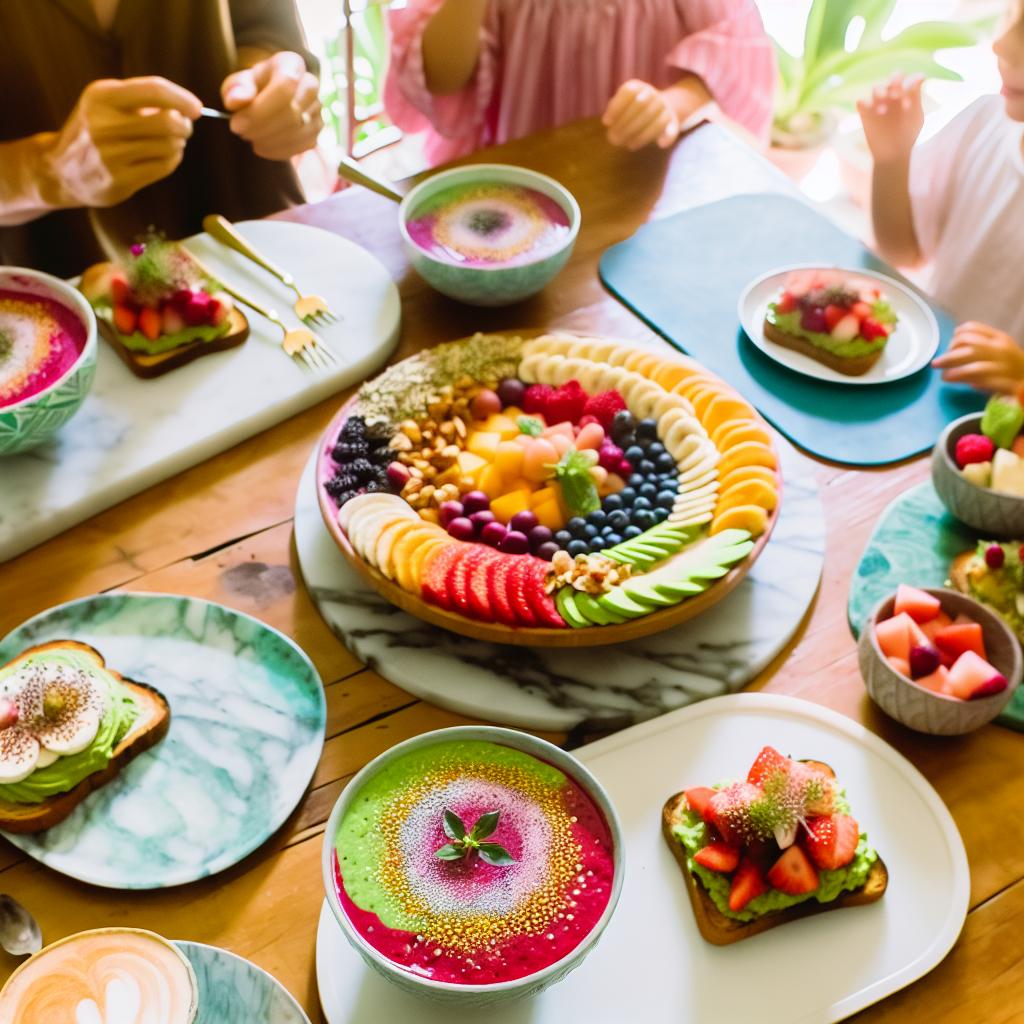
{"points": [[938, 661], [552, 490], [978, 468]]}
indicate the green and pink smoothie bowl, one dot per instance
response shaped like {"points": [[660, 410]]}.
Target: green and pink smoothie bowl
{"points": [[36, 418], [457, 994], [497, 284]]}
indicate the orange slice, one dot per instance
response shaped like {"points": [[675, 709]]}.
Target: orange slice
{"points": [[748, 492], [747, 453], [723, 408], [642, 362], [751, 518], [420, 561], [731, 432], [744, 473]]}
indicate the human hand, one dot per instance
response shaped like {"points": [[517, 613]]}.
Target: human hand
{"points": [[983, 357], [275, 106], [893, 118], [121, 136], [639, 114]]}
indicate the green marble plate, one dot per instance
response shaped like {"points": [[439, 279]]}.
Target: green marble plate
{"points": [[232, 990], [914, 541], [247, 728]]}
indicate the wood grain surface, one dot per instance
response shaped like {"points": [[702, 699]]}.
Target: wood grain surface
{"points": [[222, 531]]}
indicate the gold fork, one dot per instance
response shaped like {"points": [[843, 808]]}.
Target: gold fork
{"points": [[310, 309], [297, 341]]}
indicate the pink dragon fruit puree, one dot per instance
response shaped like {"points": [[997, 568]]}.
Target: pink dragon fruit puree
{"points": [[466, 921], [489, 225], [40, 341]]}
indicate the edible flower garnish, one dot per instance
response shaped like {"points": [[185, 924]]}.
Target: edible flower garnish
{"points": [[464, 842]]}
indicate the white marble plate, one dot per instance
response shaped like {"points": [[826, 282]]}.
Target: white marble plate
{"points": [[576, 688], [814, 971], [910, 347], [247, 727], [233, 990], [130, 434]]}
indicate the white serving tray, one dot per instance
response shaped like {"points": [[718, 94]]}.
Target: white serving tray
{"points": [[652, 964]]}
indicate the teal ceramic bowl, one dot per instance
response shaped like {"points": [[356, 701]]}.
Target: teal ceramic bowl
{"points": [[36, 419], [475, 996], [488, 285]]}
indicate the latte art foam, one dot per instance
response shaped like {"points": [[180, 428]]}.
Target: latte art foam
{"points": [[110, 976], [489, 225]]}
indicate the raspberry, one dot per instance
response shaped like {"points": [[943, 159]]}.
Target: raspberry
{"points": [[973, 448], [566, 403], [995, 556], [604, 406], [535, 400]]}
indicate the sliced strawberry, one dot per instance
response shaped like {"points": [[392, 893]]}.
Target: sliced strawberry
{"points": [[793, 873], [831, 840], [718, 857], [497, 583], [871, 329], [787, 302], [817, 789], [860, 310], [833, 314], [435, 579], [172, 321], [516, 591], [698, 798], [150, 322], [477, 570], [765, 764], [458, 578], [120, 293], [957, 638], [125, 319], [541, 604], [747, 884], [220, 307], [727, 811]]}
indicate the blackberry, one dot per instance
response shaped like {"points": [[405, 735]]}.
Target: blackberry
{"points": [[363, 470], [377, 487], [379, 433], [381, 456], [347, 496], [347, 481], [349, 451], [647, 430], [334, 488], [354, 429]]}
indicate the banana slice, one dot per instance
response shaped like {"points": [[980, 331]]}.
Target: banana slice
{"points": [[601, 351], [610, 377], [645, 400], [705, 452], [705, 490], [569, 368], [698, 476], [683, 436], [670, 402], [364, 501], [697, 519], [530, 366]]}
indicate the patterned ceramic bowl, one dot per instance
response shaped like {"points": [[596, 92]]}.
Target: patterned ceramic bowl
{"points": [[991, 513], [38, 417], [498, 284], [924, 710], [473, 995]]}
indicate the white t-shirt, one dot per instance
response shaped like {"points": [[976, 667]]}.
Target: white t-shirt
{"points": [[967, 196]]}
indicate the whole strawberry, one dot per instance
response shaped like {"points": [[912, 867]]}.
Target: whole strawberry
{"points": [[972, 448], [566, 403], [604, 406], [535, 399]]}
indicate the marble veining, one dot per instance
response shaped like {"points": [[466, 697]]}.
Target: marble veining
{"points": [[232, 990], [575, 689], [914, 541], [247, 726], [130, 434]]}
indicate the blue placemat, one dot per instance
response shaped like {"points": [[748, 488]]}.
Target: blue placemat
{"points": [[683, 275], [914, 542]]}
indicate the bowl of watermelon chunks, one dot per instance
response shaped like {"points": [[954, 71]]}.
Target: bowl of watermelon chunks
{"points": [[938, 661]]}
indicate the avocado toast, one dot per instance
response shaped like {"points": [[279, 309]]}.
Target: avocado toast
{"points": [[993, 574]]}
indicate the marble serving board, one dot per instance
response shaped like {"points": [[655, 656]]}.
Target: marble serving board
{"points": [[130, 434], [594, 689]]}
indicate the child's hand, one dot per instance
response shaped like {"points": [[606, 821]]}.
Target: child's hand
{"points": [[893, 118], [983, 357], [640, 114]]}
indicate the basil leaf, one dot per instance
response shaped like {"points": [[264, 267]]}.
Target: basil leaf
{"points": [[495, 854], [485, 825], [453, 827], [451, 852]]}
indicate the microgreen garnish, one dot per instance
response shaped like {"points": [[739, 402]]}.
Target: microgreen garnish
{"points": [[530, 425], [464, 842]]}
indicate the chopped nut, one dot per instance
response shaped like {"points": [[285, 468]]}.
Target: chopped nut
{"points": [[450, 492], [417, 473], [430, 515], [400, 443], [450, 453], [448, 430], [421, 464], [459, 425], [427, 493], [411, 429]]}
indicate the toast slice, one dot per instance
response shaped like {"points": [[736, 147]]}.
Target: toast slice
{"points": [[852, 366], [144, 365], [148, 729], [721, 930]]}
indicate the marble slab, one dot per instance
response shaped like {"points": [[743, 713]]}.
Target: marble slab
{"points": [[233, 990], [247, 727], [130, 434], [914, 541], [598, 689]]}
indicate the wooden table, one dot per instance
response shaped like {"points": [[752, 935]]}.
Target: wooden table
{"points": [[223, 531]]}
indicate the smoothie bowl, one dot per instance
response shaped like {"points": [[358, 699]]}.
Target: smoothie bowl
{"points": [[473, 865], [47, 356], [489, 234]]}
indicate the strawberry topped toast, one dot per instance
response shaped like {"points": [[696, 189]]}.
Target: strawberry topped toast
{"points": [[837, 318], [777, 846], [553, 483]]}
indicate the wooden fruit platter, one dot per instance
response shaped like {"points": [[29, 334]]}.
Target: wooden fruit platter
{"points": [[549, 490]]}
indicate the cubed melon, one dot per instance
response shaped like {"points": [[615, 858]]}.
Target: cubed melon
{"points": [[954, 639], [941, 621], [543, 494], [937, 682], [503, 425], [470, 464], [893, 636], [549, 514], [484, 443], [507, 505], [451, 475], [564, 428], [509, 460], [918, 604], [972, 676], [901, 665], [491, 482]]}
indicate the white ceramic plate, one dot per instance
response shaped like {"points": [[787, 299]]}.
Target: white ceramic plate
{"points": [[814, 971], [910, 347]]}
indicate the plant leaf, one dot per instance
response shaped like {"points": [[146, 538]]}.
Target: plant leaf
{"points": [[451, 852], [453, 827], [485, 825], [812, 30], [495, 854]]}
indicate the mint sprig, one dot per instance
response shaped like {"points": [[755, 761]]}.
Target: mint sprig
{"points": [[464, 842], [573, 473]]}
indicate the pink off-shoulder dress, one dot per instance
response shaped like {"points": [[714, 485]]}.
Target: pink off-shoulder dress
{"points": [[545, 62]]}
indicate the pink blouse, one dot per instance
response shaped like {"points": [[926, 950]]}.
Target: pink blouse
{"points": [[545, 62]]}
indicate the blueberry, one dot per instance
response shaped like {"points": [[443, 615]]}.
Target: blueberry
{"points": [[634, 453], [590, 531], [612, 539], [661, 514], [628, 496], [636, 479], [665, 499], [622, 426], [644, 518], [665, 462], [654, 449], [642, 505], [647, 429], [576, 526], [647, 489], [598, 544], [597, 518], [577, 547], [562, 538], [618, 520], [631, 531], [646, 467], [612, 502]]}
